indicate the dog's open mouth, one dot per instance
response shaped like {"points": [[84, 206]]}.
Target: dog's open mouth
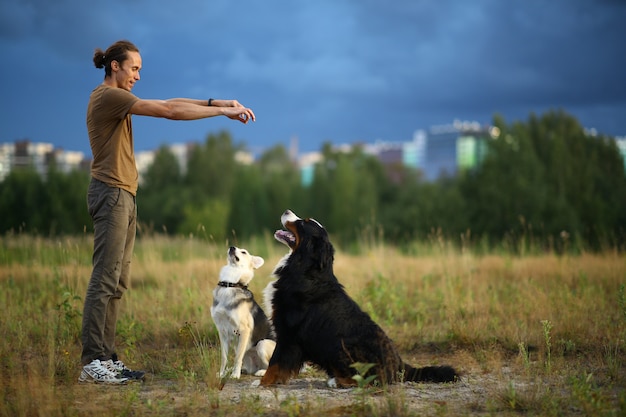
{"points": [[286, 237]]}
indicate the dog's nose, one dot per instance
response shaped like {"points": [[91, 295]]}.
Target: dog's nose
{"points": [[231, 250]]}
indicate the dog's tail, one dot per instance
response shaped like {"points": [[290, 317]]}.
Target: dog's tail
{"points": [[442, 373]]}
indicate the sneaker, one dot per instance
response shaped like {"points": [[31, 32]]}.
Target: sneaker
{"points": [[97, 373], [117, 366]]}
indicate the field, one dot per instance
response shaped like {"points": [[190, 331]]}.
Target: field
{"points": [[538, 334]]}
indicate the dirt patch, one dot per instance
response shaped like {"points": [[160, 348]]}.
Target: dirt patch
{"points": [[474, 394], [312, 393], [471, 394], [502, 387]]}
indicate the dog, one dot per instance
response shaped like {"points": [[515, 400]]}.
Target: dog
{"points": [[239, 318], [316, 321], [268, 291]]}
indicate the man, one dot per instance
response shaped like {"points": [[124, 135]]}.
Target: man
{"points": [[111, 197]]}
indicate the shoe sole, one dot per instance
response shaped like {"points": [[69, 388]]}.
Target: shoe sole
{"points": [[90, 380], [93, 381]]}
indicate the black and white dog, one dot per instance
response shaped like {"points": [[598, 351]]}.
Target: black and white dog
{"points": [[316, 321], [239, 318]]}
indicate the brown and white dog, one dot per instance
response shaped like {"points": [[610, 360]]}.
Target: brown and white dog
{"points": [[239, 319]]}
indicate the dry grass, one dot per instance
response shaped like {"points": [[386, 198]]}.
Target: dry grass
{"points": [[536, 335]]}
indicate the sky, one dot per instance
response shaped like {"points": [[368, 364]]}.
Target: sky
{"points": [[339, 71]]}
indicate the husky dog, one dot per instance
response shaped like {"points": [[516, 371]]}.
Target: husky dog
{"points": [[239, 318]]}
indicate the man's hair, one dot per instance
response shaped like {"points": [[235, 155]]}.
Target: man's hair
{"points": [[116, 52]]}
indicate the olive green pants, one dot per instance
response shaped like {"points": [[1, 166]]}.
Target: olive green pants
{"points": [[114, 215]]}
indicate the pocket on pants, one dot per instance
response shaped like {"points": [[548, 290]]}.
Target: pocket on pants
{"points": [[101, 198]]}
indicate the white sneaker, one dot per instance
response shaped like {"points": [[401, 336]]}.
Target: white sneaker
{"points": [[96, 372], [117, 367]]}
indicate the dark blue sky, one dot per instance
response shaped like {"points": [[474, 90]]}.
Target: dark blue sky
{"points": [[326, 70]]}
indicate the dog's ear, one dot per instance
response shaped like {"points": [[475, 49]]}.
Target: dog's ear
{"points": [[317, 246], [257, 262], [326, 253]]}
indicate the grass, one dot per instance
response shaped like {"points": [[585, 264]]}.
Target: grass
{"points": [[538, 334]]}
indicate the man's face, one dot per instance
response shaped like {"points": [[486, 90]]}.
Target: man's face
{"points": [[126, 73]]}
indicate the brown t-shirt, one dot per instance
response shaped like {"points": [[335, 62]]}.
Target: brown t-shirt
{"points": [[111, 137]]}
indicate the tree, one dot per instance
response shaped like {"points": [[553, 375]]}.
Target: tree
{"points": [[162, 193], [262, 191], [548, 179], [65, 210], [206, 220], [210, 168], [249, 204], [22, 195], [346, 191], [508, 192]]}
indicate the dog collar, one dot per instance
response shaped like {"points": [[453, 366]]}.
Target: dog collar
{"points": [[230, 285]]}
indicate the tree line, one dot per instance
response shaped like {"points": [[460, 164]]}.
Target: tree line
{"points": [[543, 181]]}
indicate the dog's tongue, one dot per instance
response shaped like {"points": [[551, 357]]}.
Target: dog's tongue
{"points": [[285, 237]]}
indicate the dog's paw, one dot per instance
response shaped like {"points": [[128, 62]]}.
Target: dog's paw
{"points": [[256, 383], [260, 372], [332, 383]]}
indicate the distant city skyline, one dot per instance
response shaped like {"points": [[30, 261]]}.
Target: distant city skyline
{"points": [[439, 150]]}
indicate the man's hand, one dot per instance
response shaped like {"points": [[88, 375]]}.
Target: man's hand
{"points": [[235, 110], [240, 113]]}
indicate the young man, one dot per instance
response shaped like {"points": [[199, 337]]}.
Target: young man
{"points": [[111, 197]]}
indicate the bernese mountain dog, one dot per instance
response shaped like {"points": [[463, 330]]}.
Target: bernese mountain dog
{"points": [[317, 322]]}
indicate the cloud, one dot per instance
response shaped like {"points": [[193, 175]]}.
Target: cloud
{"points": [[340, 69]]}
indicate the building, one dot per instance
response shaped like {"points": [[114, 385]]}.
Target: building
{"points": [[38, 156], [621, 145], [7, 155], [450, 149], [442, 151], [414, 152], [307, 164]]}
